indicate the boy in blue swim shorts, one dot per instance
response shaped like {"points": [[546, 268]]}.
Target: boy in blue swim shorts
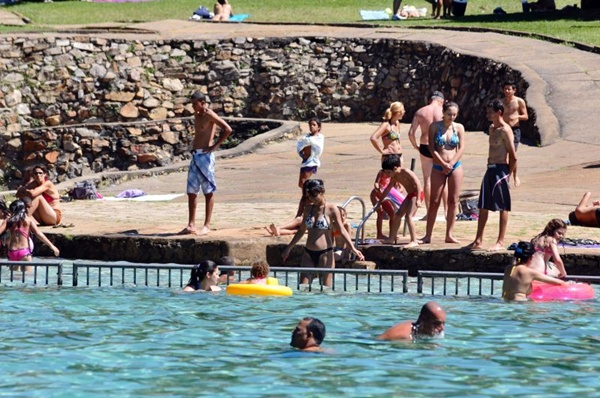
{"points": [[201, 174]]}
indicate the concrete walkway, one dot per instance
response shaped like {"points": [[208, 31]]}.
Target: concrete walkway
{"points": [[260, 188], [8, 18]]}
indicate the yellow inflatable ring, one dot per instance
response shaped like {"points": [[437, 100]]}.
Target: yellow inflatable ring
{"points": [[272, 288]]}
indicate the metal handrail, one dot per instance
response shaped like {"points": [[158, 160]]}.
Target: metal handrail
{"points": [[366, 217], [362, 202]]}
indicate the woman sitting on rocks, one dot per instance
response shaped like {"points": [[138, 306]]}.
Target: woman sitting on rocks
{"points": [[44, 197]]}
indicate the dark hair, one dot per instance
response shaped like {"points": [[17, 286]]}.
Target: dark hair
{"points": [[496, 105], [510, 83], [227, 260], [4, 213], [390, 162], [449, 104], [199, 271], [316, 120], [222, 2], [313, 185], [260, 269], [317, 328], [198, 96], [18, 215], [524, 251]]}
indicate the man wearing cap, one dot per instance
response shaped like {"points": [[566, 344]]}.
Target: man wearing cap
{"points": [[201, 174], [421, 120]]}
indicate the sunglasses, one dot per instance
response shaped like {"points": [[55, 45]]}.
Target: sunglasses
{"points": [[39, 173]]}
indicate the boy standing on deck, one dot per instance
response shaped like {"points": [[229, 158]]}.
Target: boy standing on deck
{"points": [[201, 174], [495, 187], [414, 196], [515, 111]]}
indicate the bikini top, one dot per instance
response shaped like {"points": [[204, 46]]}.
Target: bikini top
{"points": [[440, 138], [392, 135], [320, 223], [48, 198]]}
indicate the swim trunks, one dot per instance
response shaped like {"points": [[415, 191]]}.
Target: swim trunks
{"points": [[309, 169], [424, 150], [517, 135], [495, 191], [201, 174], [598, 216]]}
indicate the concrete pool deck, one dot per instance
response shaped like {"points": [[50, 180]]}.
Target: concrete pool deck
{"points": [[260, 188]]}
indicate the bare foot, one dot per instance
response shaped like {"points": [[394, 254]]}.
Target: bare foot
{"points": [[203, 231], [389, 242], [474, 246], [274, 230], [517, 182], [424, 240], [412, 244], [268, 229], [382, 237], [187, 231], [450, 239], [496, 247]]}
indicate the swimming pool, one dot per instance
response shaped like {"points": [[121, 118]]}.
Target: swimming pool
{"points": [[92, 342]]}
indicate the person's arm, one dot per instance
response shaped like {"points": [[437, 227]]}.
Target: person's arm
{"points": [[43, 238], [557, 260], [2, 227], [376, 184], [35, 192], [523, 115], [225, 130], [538, 276], [460, 130], [432, 149], [413, 131], [377, 135], [337, 218], [508, 137], [583, 204], [384, 194], [296, 238]]}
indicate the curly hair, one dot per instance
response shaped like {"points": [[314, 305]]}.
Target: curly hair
{"points": [[260, 269]]}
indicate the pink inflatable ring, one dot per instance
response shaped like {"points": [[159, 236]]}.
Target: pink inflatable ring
{"points": [[573, 291]]}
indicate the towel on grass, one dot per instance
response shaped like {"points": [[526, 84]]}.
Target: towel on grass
{"points": [[370, 15]]}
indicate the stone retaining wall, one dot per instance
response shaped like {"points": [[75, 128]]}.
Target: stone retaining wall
{"points": [[54, 81]]}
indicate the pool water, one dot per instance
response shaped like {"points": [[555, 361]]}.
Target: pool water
{"points": [[96, 342]]}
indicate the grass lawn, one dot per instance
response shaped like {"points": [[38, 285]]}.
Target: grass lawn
{"points": [[576, 26]]}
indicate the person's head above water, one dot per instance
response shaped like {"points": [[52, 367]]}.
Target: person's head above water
{"points": [[308, 334], [524, 251], [431, 321], [204, 275]]}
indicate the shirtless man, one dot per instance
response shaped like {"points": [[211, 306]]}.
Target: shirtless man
{"points": [[201, 174], [431, 323], [515, 111], [308, 335], [584, 214], [421, 120], [495, 189], [518, 278]]}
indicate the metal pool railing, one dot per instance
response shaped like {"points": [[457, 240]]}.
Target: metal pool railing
{"points": [[472, 283], [38, 272]]}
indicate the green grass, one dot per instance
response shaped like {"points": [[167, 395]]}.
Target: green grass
{"points": [[576, 27]]}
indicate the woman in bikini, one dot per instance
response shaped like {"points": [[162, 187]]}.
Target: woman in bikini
{"points": [[546, 248], [319, 219], [518, 278], [389, 131], [19, 225], [204, 277], [44, 197], [447, 145]]}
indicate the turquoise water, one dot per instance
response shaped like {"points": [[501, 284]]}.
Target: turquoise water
{"points": [[93, 342]]}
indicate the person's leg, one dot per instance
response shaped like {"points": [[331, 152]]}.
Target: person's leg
{"points": [[501, 232], [438, 183], [403, 210], [327, 260], [411, 211], [208, 209], [307, 262], [192, 202], [304, 175], [42, 211], [483, 217], [426, 165], [454, 185], [396, 7]]}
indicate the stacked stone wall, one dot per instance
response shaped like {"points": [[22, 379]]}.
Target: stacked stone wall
{"points": [[108, 84]]}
